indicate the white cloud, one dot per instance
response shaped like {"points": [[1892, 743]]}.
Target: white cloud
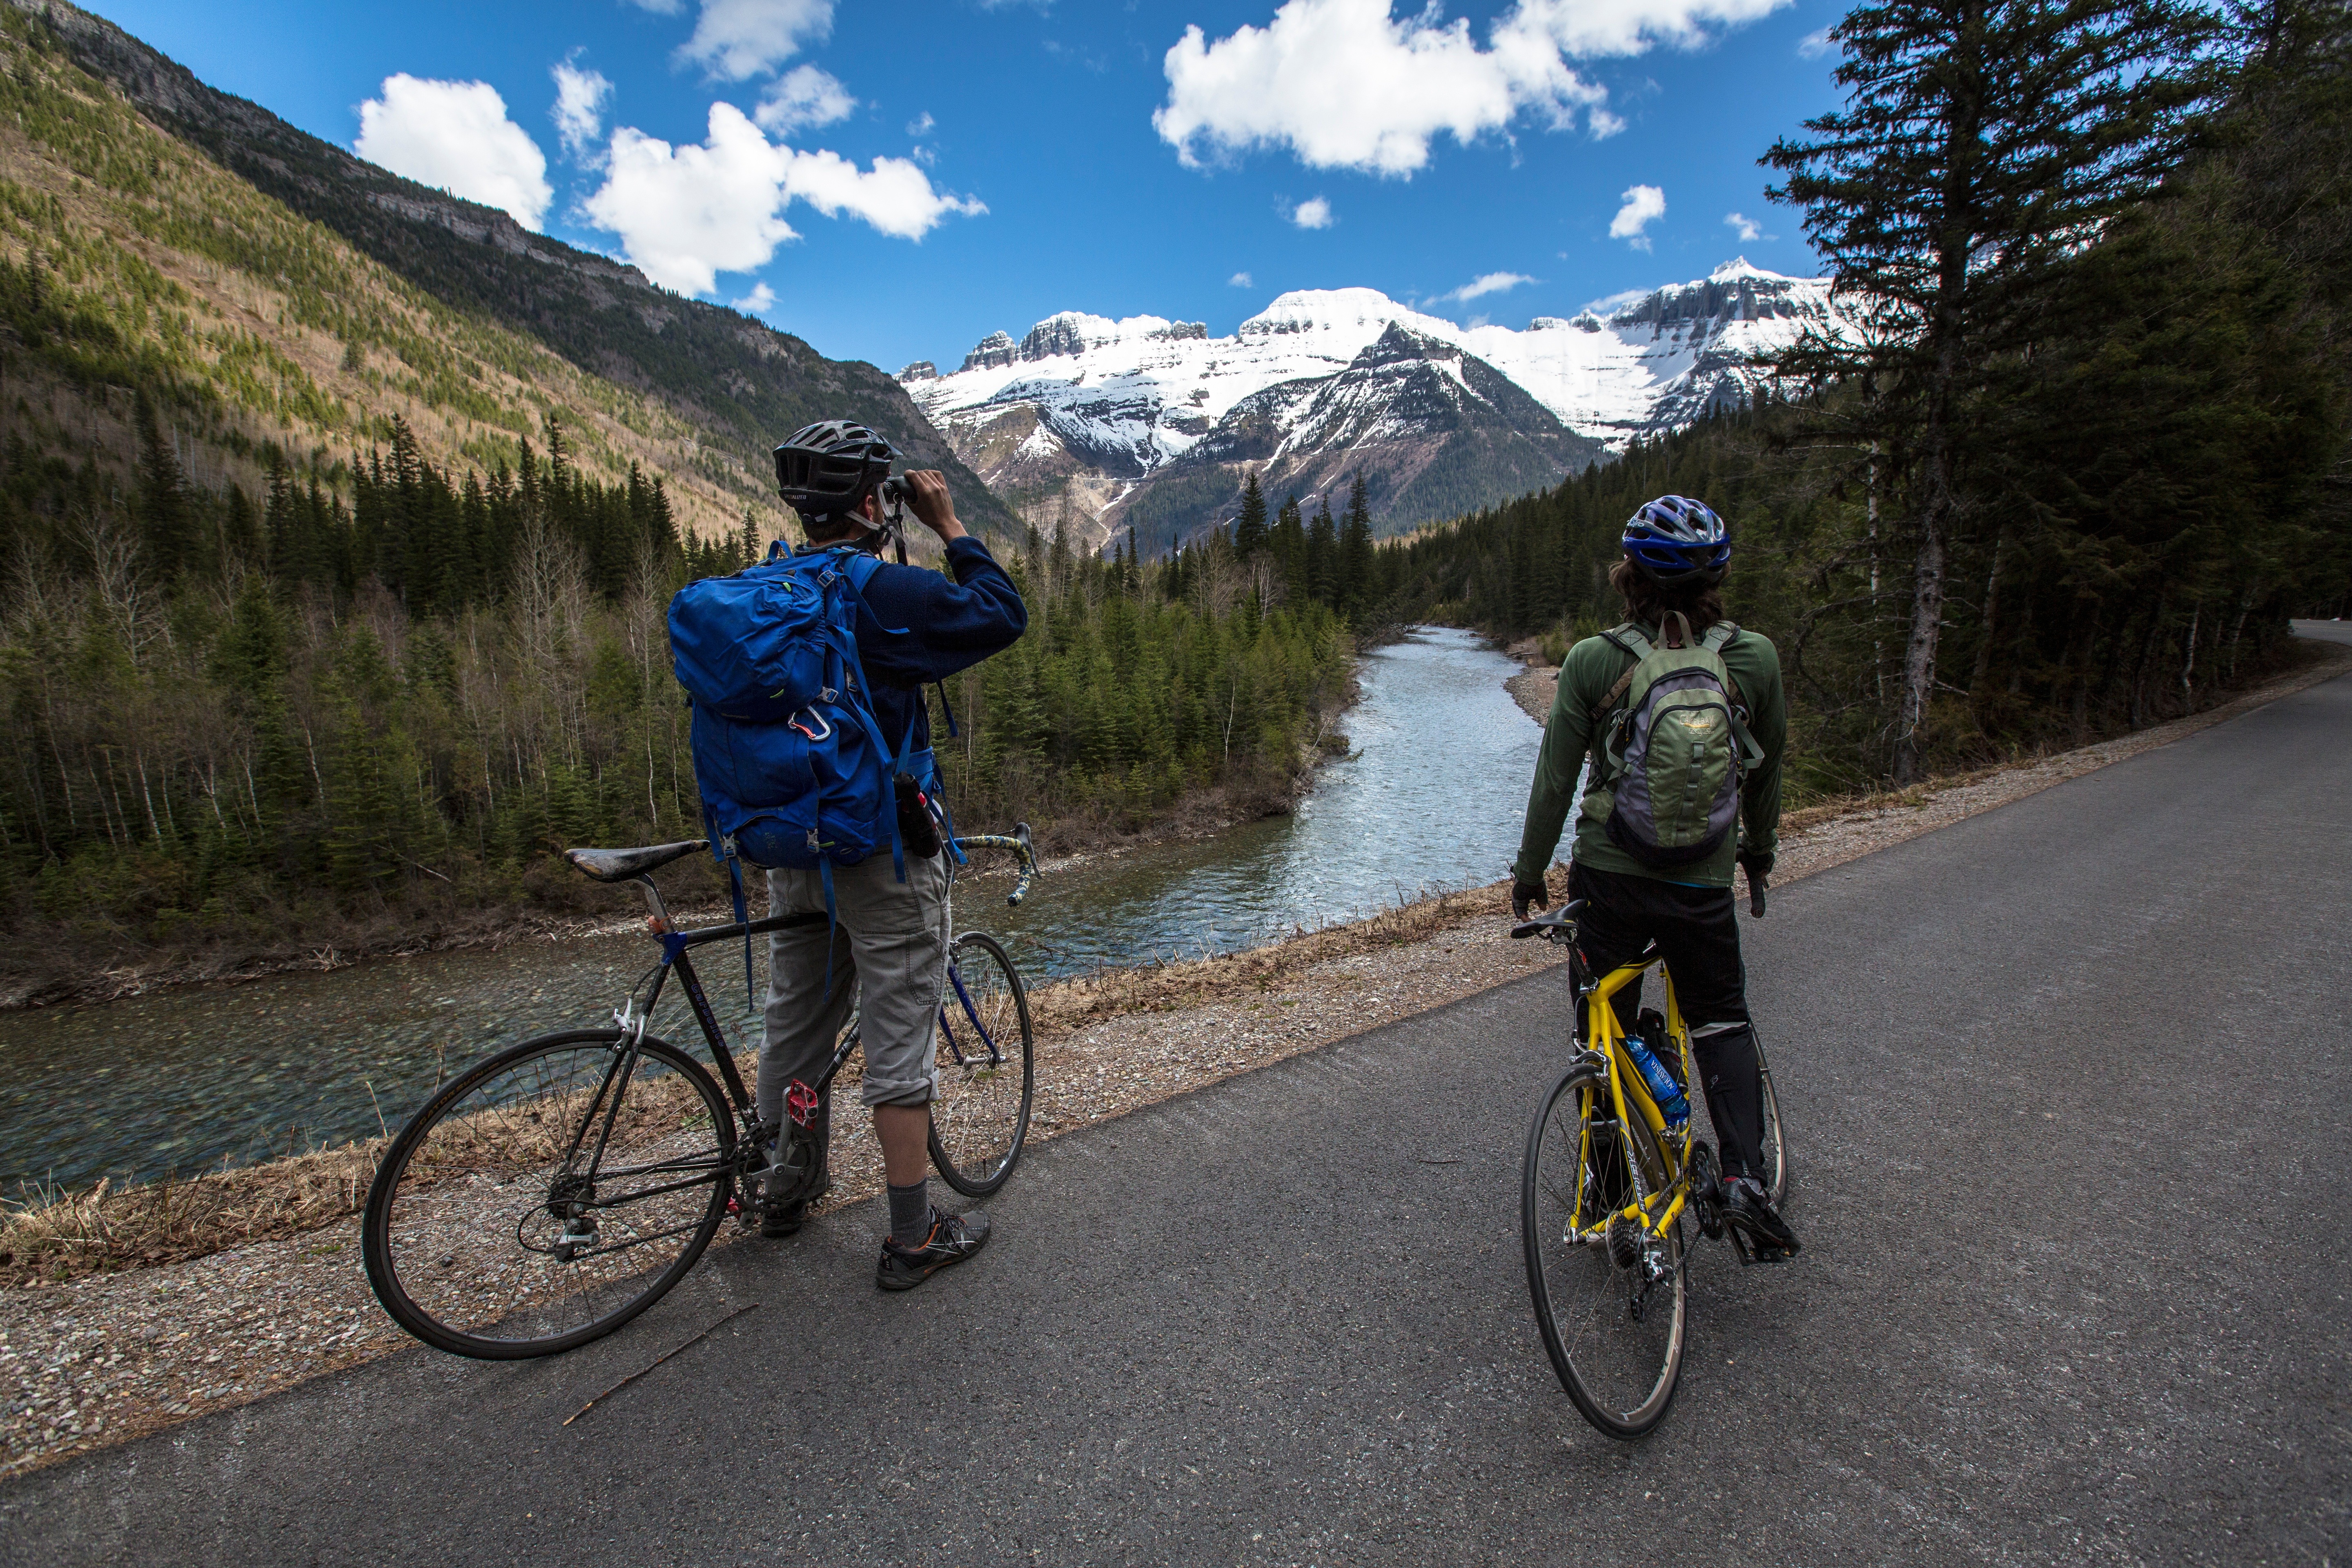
{"points": [[892, 193], [1609, 305], [1350, 84], [1584, 29], [803, 96], [686, 214], [1814, 45], [921, 125], [1345, 84], [1313, 212], [1644, 204], [1487, 283], [759, 301], [456, 135], [1744, 226], [660, 7], [739, 40], [579, 113], [1239, 280]]}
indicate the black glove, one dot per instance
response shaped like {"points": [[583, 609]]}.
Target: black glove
{"points": [[1758, 867], [1524, 894]]}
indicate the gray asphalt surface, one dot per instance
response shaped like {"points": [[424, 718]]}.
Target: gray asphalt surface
{"points": [[2067, 1089]]}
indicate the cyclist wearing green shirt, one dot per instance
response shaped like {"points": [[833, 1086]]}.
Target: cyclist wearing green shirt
{"points": [[1677, 550]]}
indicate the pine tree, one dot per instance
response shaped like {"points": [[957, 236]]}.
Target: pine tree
{"points": [[1249, 530], [1359, 585], [1322, 558], [1983, 142], [166, 515]]}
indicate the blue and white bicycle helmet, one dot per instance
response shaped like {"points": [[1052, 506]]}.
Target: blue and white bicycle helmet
{"points": [[1677, 542]]}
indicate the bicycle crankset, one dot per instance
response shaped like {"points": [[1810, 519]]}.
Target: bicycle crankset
{"points": [[1706, 1190]]}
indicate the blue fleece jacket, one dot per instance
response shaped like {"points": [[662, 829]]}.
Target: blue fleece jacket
{"points": [[948, 627]]}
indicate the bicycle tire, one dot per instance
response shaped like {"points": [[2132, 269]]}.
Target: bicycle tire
{"points": [[980, 1114], [1584, 1295], [1776, 1144], [482, 1144]]}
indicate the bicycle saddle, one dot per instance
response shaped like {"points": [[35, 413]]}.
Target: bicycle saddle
{"points": [[1562, 919], [620, 865]]}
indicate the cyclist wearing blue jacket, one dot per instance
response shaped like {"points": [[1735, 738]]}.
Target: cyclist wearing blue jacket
{"points": [[915, 626]]}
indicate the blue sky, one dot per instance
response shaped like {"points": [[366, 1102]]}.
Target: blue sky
{"points": [[947, 167]]}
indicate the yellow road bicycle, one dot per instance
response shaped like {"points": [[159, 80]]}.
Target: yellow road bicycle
{"points": [[1608, 1192]]}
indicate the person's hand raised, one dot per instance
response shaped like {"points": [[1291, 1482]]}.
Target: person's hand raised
{"points": [[928, 498]]}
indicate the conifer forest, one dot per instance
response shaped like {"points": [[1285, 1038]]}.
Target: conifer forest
{"points": [[285, 668], [2093, 453]]}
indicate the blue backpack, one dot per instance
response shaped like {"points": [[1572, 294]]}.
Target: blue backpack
{"points": [[793, 770]]}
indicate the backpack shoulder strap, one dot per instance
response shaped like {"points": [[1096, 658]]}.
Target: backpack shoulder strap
{"points": [[1630, 638], [1718, 635]]}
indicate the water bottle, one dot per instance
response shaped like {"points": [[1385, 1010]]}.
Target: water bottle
{"points": [[1663, 1087]]}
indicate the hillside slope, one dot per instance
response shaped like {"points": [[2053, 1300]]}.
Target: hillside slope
{"points": [[707, 390]]}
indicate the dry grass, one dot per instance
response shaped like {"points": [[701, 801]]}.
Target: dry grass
{"points": [[109, 1228]]}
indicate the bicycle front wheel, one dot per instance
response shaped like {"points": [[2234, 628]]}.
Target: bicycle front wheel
{"points": [[548, 1195], [1611, 1299], [987, 1068]]}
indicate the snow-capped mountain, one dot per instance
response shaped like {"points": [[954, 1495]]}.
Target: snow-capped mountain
{"points": [[1150, 423]]}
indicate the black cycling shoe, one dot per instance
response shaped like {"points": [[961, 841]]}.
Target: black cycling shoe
{"points": [[1751, 1218], [786, 1219], [953, 1238]]}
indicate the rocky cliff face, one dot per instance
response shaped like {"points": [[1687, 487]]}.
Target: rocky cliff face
{"points": [[1151, 424]]}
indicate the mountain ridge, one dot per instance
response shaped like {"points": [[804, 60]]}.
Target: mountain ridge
{"points": [[1090, 414], [741, 384]]}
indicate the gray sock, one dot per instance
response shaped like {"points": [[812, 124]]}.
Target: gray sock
{"points": [[910, 1213]]}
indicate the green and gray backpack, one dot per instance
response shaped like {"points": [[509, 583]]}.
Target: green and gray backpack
{"points": [[1672, 757]]}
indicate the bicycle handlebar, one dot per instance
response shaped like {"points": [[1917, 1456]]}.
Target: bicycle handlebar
{"points": [[1025, 854]]}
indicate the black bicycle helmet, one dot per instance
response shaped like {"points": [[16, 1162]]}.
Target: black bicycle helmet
{"points": [[1676, 542], [824, 470]]}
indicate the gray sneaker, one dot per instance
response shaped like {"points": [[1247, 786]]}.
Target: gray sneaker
{"points": [[953, 1238]]}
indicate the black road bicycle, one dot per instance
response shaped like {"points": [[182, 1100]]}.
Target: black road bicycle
{"points": [[547, 1195]]}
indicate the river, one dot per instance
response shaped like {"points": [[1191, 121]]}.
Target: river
{"points": [[1430, 798]]}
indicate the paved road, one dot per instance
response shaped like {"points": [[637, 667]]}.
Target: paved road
{"points": [[2067, 1083]]}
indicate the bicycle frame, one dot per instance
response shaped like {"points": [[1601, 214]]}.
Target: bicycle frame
{"points": [[1629, 1093], [677, 943]]}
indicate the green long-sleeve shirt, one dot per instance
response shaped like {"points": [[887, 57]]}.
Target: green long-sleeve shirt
{"points": [[1592, 668]]}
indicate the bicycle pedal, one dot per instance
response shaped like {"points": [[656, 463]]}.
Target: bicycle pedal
{"points": [[1751, 1251]]}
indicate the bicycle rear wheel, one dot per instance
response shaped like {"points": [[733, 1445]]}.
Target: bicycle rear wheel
{"points": [[1612, 1304], [1775, 1145], [987, 1068], [548, 1195]]}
